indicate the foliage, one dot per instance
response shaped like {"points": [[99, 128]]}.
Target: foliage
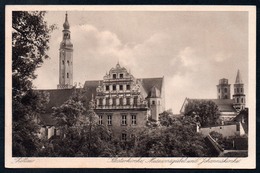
{"points": [[203, 111], [83, 136], [177, 140], [166, 118], [30, 38]]}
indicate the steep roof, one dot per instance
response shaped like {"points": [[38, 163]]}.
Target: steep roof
{"points": [[57, 97], [149, 83], [154, 93], [224, 105], [238, 78]]}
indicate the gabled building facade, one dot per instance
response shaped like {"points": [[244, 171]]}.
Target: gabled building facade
{"points": [[122, 102]]}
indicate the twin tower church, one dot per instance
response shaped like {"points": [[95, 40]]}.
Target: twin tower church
{"points": [[121, 100]]}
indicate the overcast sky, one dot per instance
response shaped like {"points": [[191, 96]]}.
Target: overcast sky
{"points": [[192, 50]]}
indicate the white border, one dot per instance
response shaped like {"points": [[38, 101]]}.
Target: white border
{"points": [[11, 162]]}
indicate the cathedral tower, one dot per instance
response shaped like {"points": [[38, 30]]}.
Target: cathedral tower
{"points": [[239, 96], [223, 89], [66, 58]]}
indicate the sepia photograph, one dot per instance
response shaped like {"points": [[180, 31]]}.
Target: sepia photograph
{"points": [[130, 87]]}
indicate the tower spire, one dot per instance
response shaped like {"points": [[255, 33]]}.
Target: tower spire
{"points": [[66, 24], [238, 78], [66, 58]]}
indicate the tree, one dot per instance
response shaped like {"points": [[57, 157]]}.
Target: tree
{"points": [[203, 111], [30, 38], [166, 118], [83, 136], [177, 140]]}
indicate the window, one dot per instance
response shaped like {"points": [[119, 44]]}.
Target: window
{"points": [[107, 101], [100, 119], [135, 100], [107, 87], [218, 90], [123, 136], [123, 119], [121, 76], [114, 101], [241, 90], [114, 76], [237, 90], [242, 100], [67, 75], [225, 96], [63, 62], [68, 62], [128, 87], [109, 120], [114, 87], [133, 119], [121, 87], [100, 102], [238, 127], [153, 102], [225, 90], [121, 101], [237, 100], [128, 101]]}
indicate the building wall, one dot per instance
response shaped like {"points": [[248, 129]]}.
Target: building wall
{"points": [[225, 130], [116, 127]]}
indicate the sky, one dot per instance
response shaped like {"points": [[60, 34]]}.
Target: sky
{"points": [[192, 50]]}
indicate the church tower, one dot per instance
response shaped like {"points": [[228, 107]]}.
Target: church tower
{"points": [[239, 96], [66, 58], [223, 89]]}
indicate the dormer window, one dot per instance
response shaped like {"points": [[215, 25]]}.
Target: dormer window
{"points": [[114, 76], [121, 76]]}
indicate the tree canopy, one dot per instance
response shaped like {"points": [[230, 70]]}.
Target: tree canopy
{"points": [[30, 38], [203, 111]]}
